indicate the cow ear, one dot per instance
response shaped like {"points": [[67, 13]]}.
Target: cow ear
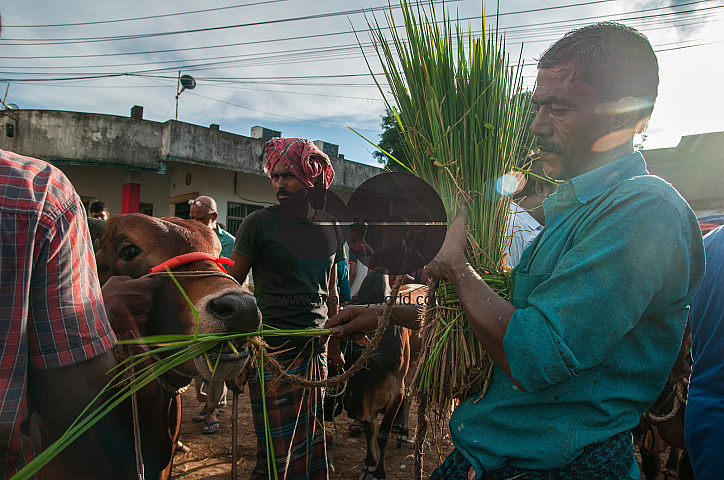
{"points": [[97, 227]]}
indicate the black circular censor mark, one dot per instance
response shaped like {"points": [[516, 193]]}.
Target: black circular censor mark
{"points": [[307, 232], [398, 224]]}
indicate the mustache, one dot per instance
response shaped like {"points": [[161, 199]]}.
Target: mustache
{"points": [[283, 191], [548, 146]]}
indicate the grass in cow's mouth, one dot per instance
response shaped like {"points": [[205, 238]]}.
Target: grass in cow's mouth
{"points": [[166, 352], [178, 350]]}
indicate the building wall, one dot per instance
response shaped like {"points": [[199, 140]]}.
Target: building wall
{"points": [[172, 161], [97, 183], [695, 167], [79, 138], [106, 184], [88, 138]]}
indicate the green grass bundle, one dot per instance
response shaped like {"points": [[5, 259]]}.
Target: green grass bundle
{"points": [[458, 107]]}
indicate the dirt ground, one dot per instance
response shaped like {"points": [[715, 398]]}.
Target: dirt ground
{"points": [[210, 455]]}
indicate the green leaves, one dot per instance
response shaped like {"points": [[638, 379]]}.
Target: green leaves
{"points": [[461, 116], [170, 352], [456, 101]]}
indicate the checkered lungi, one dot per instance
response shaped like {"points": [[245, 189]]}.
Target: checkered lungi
{"points": [[608, 460], [295, 418]]}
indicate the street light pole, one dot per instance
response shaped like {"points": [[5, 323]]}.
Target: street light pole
{"points": [[185, 82], [178, 92]]}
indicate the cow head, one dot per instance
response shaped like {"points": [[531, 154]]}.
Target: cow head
{"points": [[134, 243]]}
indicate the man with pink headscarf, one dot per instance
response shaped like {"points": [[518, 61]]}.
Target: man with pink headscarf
{"points": [[292, 293], [304, 160]]}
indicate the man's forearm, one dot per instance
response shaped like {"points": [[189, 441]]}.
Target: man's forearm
{"points": [[488, 314], [333, 297]]}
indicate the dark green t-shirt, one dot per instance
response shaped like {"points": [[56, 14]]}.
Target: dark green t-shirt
{"points": [[291, 292]]}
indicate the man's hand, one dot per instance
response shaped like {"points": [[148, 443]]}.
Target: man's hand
{"points": [[452, 252], [334, 354], [353, 322], [237, 384], [128, 300]]}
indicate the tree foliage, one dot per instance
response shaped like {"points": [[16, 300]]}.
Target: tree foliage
{"points": [[390, 142]]}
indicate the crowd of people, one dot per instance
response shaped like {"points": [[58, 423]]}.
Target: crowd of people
{"points": [[607, 258]]}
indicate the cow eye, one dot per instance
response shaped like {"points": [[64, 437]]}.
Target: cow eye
{"points": [[129, 252]]}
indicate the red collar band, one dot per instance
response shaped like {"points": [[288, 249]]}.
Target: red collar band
{"points": [[190, 258]]}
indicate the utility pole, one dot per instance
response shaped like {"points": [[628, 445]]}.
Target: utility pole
{"points": [[185, 82]]}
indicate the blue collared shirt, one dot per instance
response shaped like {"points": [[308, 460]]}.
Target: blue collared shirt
{"points": [[602, 297], [227, 241]]}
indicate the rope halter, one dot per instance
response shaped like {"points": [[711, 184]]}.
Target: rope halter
{"points": [[165, 268]]}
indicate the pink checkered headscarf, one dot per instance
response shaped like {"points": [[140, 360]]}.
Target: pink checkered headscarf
{"points": [[302, 158]]}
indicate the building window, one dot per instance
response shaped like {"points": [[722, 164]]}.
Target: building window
{"points": [[182, 210], [235, 214], [146, 209]]}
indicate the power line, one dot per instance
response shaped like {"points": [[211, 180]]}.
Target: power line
{"points": [[282, 80], [278, 114], [305, 53], [283, 92], [620, 17], [193, 12], [236, 44], [55, 41], [295, 53], [101, 22], [289, 56], [313, 52], [271, 58]]}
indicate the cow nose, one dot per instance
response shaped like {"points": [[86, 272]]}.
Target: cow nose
{"points": [[238, 312]]}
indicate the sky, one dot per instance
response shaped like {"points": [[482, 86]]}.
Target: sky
{"points": [[303, 67]]}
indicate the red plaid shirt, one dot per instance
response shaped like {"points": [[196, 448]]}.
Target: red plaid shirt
{"points": [[51, 310]]}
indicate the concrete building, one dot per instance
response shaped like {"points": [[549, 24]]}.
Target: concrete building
{"points": [[695, 167], [136, 165]]}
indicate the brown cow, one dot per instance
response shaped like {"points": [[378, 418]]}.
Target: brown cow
{"points": [[410, 294], [380, 386], [132, 245]]}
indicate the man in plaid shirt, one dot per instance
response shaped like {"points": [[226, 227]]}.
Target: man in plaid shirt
{"points": [[55, 336]]}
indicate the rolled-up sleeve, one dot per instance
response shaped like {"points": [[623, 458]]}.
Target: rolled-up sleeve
{"points": [[69, 323], [541, 357]]}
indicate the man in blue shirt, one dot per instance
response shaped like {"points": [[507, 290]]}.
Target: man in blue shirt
{"points": [[600, 297], [705, 407], [203, 210], [211, 394]]}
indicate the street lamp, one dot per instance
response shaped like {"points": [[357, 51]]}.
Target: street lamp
{"points": [[185, 82]]}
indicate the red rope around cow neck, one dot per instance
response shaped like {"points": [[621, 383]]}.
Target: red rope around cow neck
{"points": [[190, 258]]}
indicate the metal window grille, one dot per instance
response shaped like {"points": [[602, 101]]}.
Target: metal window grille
{"points": [[235, 214], [146, 209]]}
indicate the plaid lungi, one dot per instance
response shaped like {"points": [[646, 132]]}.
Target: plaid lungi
{"points": [[295, 418], [608, 460]]}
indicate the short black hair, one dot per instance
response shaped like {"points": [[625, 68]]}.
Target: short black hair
{"points": [[97, 207], [360, 227], [617, 60]]}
